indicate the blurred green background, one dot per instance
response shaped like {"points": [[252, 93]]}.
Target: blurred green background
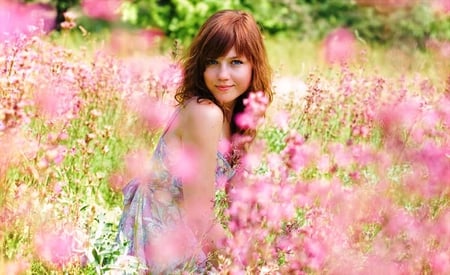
{"points": [[401, 22]]}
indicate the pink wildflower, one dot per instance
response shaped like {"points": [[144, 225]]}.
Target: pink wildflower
{"points": [[58, 248], [339, 46], [15, 267], [324, 163], [224, 146], [441, 6], [69, 21], [173, 244], [170, 77], [152, 111], [57, 100], [255, 108], [21, 18], [275, 163], [183, 163], [316, 252], [102, 9], [281, 120], [440, 47], [435, 161], [138, 164], [440, 263], [117, 182], [294, 154], [58, 187]]}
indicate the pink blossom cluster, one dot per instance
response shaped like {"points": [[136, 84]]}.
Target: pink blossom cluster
{"points": [[17, 17], [59, 247], [255, 108], [355, 207], [56, 110], [108, 10], [339, 46], [441, 6]]}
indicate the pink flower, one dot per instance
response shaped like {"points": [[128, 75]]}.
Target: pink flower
{"points": [[276, 164], [102, 9], [255, 108], [251, 161], [281, 120], [246, 121], [339, 46], [138, 164], [183, 162], [117, 182], [224, 146], [15, 267], [440, 262], [441, 6], [69, 21], [21, 18], [171, 245], [56, 154], [316, 253], [152, 111], [58, 247], [296, 154], [58, 187], [170, 77], [57, 100], [324, 163], [399, 115]]}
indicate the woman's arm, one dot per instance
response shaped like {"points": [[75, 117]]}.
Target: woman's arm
{"points": [[201, 130]]}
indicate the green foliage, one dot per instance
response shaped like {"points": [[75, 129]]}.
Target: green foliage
{"points": [[274, 138], [177, 18], [412, 25], [304, 19], [104, 249]]}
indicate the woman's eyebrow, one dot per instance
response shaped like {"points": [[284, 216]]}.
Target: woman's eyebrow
{"points": [[236, 57]]}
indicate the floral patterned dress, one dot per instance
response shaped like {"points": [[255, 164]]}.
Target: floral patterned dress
{"points": [[152, 219]]}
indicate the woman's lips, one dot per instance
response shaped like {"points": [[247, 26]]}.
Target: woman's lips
{"points": [[223, 88]]}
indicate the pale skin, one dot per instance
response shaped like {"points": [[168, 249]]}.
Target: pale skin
{"points": [[201, 126]]}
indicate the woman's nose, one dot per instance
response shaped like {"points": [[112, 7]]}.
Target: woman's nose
{"points": [[223, 72]]}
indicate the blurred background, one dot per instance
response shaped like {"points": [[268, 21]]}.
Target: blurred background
{"points": [[334, 30]]}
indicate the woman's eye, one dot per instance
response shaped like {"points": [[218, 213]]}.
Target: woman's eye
{"points": [[236, 62], [211, 62]]}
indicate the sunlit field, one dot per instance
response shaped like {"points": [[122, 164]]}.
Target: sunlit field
{"points": [[349, 174]]}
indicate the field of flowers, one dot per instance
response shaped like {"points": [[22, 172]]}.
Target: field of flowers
{"points": [[350, 173]]}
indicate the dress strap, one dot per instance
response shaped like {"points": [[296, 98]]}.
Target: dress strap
{"points": [[174, 115], [171, 120]]}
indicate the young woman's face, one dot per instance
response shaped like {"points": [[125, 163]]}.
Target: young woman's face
{"points": [[227, 77]]}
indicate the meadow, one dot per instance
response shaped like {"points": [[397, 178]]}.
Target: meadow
{"points": [[349, 174]]}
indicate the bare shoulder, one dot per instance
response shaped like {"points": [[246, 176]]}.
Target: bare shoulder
{"points": [[204, 111], [201, 123]]}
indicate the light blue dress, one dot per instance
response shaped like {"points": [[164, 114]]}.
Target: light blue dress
{"points": [[152, 213]]}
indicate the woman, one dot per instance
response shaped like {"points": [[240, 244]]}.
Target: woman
{"points": [[169, 222]]}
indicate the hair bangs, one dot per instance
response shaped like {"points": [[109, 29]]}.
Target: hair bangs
{"points": [[241, 46], [219, 43]]}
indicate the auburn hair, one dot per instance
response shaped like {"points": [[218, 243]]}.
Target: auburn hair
{"points": [[219, 33]]}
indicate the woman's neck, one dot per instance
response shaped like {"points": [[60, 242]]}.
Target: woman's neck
{"points": [[228, 111]]}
